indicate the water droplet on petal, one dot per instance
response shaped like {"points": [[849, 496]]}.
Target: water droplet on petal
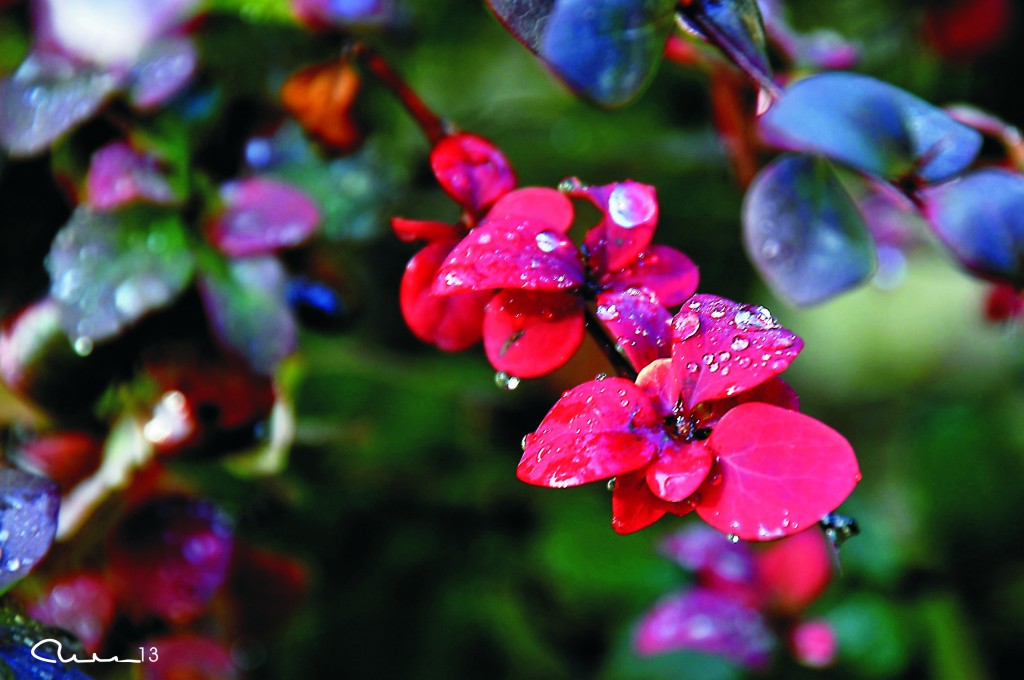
{"points": [[611, 484], [739, 343], [631, 205], [733, 538], [83, 345], [546, 241]]}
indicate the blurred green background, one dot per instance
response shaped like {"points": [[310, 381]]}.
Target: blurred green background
{"points": [[429, 558]]}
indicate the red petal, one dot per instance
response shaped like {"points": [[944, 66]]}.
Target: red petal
{"points": [[630, 214], [452, 323], [721, 348], [262, 216], [511, 252], [638, 324], [774, 391], [528, 334], [186, 655], [595, 431], [536, 203], [424, 230], [660, 383], [78, 601], [671, 275], [781, 472], [471, 170], [794, 571], [679, 470], [634, 507], [814, 643]]}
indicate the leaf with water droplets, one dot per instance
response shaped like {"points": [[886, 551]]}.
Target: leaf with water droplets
{"points": [[528, 334], [472, 170], [634, 505], [262, 216], [594, 431], [248, 310], [45, 98], [781, 472], [109, 270], [511, 252], [118, 175], [803, 232], [630, 215], [28, 523], [637, 323], [870, 125], [708, 621], [721, 348], [679, 470], [671, 275], [980, 217], [735, 27], [451, 322], [605, 50]]}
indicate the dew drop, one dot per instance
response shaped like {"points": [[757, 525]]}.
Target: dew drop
{"points": [[631, 205], [692, 367], [525, 441], [601, 376], [83, 345], [716, 479], [506, 381], [546, 241], [740, 343], [724, 356], [611, 484], [709, 359], [733, 538], [687, 325]]}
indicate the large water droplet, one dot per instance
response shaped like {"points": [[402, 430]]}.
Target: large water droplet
{"points": [[631, 205], [546, 241], [740, 343], [83, 345]]}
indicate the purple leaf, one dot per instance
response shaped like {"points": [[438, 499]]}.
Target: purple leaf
{"points": [[118, 174], [706, 621], [980, 217], [870, 125], [163, 70], [107, 271], [248, 310], [28, 522], [803, 232], [605, 50], [46, 97], [735, 27], [262, 216]]}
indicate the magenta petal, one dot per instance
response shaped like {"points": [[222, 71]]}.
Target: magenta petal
{"points": [[660, 382], [472, 170], [511, 252], [452, 323], [551, 207], [423, 230], [679, 470], [721, 348], [717, 562], [635, 507], [527, 334], [630, 216], [639, 325], [706, 621], [781, 472], [671, 275], [78, 601], [774, 391], [262, 216], [118, 174], [595, 431]]}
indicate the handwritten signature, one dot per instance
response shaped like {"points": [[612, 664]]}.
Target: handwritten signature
{"points": [[152, 655]]}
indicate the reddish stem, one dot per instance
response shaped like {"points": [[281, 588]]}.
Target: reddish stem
{"points": [[433, 126]]}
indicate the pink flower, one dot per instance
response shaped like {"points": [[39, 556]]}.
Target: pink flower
{"points": [[536, 320], [712, 429]]}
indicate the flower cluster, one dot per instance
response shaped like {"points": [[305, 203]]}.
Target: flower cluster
{"points": [[744, 601]]}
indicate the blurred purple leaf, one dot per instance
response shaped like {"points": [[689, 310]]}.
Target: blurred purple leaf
{"points": [[803, 232], [735, 27], [109, 270], [46, 97], [345, 12], [980, 217], [248, 311], [870, 125], [163, 70], [28, 522], [261, 216], [118, 174], [715, 559], [706, 621], [605, 50]]}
